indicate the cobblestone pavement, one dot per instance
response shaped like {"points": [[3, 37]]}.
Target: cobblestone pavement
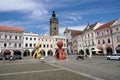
{"points": [[31, 69], [97, 67]]}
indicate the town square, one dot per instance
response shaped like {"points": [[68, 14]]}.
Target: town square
{"points": [[59, 40]]}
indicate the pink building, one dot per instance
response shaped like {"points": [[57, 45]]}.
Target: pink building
{"points": [[103, 36]]}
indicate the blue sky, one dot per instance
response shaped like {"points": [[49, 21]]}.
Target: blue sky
{"points": [[34, 15]]}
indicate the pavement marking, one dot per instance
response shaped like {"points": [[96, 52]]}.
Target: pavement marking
{"points": [[26, 72], [83, 74]]}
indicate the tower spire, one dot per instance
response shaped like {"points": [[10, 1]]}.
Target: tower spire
{"points": [[53, 14]]}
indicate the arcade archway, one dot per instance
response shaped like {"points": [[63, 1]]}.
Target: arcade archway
{"points": [[17, 52], [6, 54], [50, 53], [42, 52], [87, 51], [109, 50], [26, 53], [81, 52], [118, 49]]}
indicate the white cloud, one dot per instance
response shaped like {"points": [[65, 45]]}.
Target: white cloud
{"points": [[30, 8], [16, 5]]}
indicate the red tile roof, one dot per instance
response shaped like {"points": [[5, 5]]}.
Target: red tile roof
{"points": [[105, 25], [11, 28]]}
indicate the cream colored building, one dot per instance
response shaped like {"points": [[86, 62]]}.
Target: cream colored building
{"points": [[116, 34], [48, 44], [89, 39]]}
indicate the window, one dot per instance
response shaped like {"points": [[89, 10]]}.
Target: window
{"points": [[103, 41], [44, 45], [92, 42], [107, 31], [20, 37], [10, 37], [108, 40], [5, 36], [118, 38], [55, 28], [30, 38], [30, 44], [40, 45], [51, 45], [5, 45], [34, 38], [102, 34], [19, 44], [92, 34], [15, 37], [26, 45], [88, 35], [15, 45], [97, 33], [26, 38], [47, 45], [117, 29], [98, 41]]}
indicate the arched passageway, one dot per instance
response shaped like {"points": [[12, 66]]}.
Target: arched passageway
{"points": [[7, 54], [50, 53], [87, 52], [81, 52], [109, 50], [17, 52], [26, 53], [42, 52], [118, 49]]}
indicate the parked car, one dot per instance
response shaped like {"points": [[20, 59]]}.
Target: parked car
{"points": [[1, 57], [114, 57], [7, 57], [17, 56]]}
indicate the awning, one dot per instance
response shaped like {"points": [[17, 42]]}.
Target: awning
{"points": [[96, 49], [7, 51]]}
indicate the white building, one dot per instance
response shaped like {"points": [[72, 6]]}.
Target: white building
{"points": [[11, 40], [80, 43], [29, 40], [70, 35]]}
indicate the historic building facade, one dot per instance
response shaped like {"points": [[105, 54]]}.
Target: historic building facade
{"points": [[89, 39], [29, 40], [54, 25], [48, 44], [71, 41], [11, 40], [103, 36], [115, 28]]}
